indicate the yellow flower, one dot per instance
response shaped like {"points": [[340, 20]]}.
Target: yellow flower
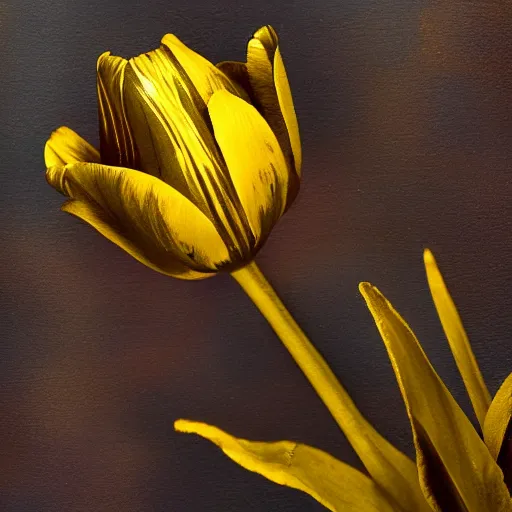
{"points": [[457, 470], [196, 163]]}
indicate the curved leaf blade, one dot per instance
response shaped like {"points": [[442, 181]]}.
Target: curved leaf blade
{"points": [[336, 485]]}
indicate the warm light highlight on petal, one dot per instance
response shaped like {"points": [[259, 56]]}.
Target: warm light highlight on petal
{"points": [[254, 158], [66, 147], [176, 145], [331, 482], [457, 338], [457, 472]]}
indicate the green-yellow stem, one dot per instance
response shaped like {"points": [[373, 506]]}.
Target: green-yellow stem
{"points": [[391, 469]]}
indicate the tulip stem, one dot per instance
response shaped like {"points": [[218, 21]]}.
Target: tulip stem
{"points": [[388, 467], [309, 360]]}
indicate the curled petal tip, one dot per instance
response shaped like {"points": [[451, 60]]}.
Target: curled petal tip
{"points": [[267, 34], [170, 40], [66, 146], [106, 56], [101, 58]]}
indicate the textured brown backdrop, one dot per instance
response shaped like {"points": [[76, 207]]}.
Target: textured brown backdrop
{"points": [[406, 113]]}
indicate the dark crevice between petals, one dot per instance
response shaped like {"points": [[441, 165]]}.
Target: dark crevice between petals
{"points": [[268, 36], [237, 72], [239, 245], [439, 485], [186, 86]]}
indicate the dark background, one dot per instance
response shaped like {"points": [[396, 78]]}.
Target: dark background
{"points": [[405, 110]]}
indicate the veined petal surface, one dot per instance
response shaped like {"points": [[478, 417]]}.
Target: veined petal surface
{"points": [[457, 338], [65, 146], [457, 472], [334, 484], [254, 159], [176, 145], [154, 217], [116, 140], [205, 76]]}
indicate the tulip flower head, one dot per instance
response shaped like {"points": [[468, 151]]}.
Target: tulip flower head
{"points": [[197, 162]]}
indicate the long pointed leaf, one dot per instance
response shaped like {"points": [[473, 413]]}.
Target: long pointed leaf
{"points": [[458, 340], [457, 472]]}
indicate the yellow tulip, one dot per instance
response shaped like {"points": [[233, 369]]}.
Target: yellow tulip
{"points": [[457, 470], [196, 163]]}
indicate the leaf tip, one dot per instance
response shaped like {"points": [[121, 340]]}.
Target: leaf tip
{"points": [[365, 287], [428, 258], [184, 426]]}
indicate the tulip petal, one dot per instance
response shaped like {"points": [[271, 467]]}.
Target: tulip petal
{"points": [[145, 253], [457, 473], [254, 158], [284, 95], [153, 216], [116, 140], [498, 418], [176, 145], [204, 75], [66, 147], [334, 484], [458, 340], [272, 92]]}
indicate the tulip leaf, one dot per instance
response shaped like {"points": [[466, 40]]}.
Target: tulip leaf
{"points": [[458, 340], [498, 418], [457, 472], [336, 485]]}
